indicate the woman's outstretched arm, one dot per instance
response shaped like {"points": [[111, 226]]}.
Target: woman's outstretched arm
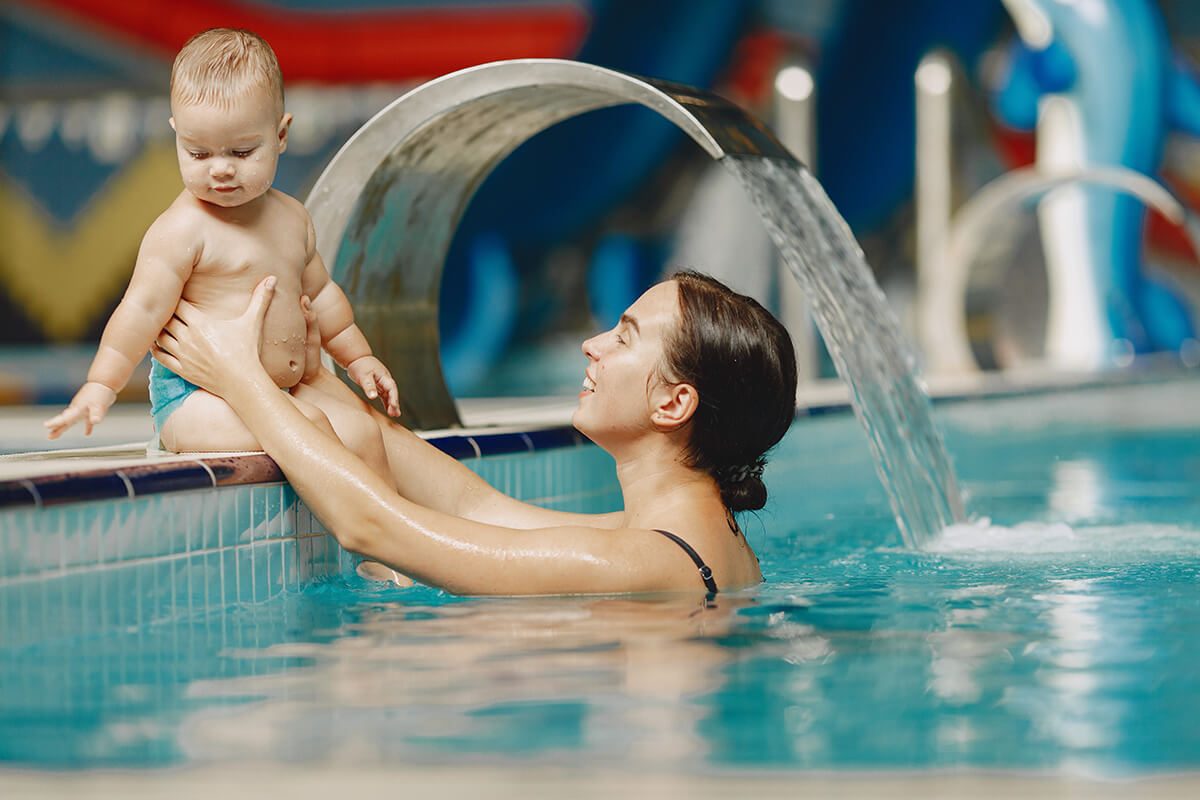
{"points": [[433, 479], [366, 517], [424, 474]]}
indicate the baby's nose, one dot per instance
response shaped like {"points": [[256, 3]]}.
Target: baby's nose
{"points": [[222, 166]]}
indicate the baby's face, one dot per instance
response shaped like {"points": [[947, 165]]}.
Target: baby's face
{"points": [[227, 156]]}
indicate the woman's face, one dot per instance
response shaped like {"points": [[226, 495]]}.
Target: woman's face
{"points": [[623, 365]]}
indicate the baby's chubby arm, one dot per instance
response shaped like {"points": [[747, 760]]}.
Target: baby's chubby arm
{"points": [[164, 263], [340, 335]]}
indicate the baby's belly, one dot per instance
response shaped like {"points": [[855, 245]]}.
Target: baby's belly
{"points": [[283, 349]]}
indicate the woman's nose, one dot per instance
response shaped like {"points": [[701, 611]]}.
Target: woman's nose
{"points": [[589, 348]]}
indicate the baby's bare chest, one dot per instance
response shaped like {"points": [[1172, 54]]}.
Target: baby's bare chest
{"points": [[275, 245]]}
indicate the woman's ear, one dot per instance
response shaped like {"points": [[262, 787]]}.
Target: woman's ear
{"points": [[674, 405]]}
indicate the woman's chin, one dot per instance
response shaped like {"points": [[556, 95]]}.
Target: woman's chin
{"points": [[580, 422]]}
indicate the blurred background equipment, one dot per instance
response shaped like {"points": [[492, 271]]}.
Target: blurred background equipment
{"points": [[576, 222], [1102, 88]]}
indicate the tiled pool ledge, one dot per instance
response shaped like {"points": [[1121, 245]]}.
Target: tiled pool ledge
{"points": [[55, 478]]}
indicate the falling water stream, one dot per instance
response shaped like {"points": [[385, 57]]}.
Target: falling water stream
{"points": [[864, 340]]}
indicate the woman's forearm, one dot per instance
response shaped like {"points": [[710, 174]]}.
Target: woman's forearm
{"points": [[368, 518], [335, 483], [422, 473], [426, 475]]}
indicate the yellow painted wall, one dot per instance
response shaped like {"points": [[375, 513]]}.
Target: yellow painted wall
{"points": [[66, 279]]}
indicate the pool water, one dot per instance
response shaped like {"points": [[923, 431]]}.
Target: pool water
{"points": [[1059, 631]]}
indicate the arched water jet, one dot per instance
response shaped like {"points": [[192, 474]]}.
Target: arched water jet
{"points": [[387, 206]]}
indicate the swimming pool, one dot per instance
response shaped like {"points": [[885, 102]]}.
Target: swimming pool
{"points": [[1061, 638]]}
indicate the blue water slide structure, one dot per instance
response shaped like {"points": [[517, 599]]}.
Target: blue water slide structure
{"points": [[866, 120], [1102, 87], [568, 177]]}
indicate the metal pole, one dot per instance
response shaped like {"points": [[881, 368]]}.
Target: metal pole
{"points": [[795, 106], [934, 189]]}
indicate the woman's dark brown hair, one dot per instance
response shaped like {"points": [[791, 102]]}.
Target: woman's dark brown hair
{"points": [[741, 361]]}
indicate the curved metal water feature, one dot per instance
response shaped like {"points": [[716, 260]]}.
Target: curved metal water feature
{"points": [[387, 206]]}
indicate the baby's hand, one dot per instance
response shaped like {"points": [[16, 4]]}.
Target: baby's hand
{"points": [[374, 378], [89, 404]]}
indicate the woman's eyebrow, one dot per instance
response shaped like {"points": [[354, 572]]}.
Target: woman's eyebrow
{"points": [[632, 323]]}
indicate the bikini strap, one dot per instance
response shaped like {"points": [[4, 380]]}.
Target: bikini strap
{"points": [[705, 572]]}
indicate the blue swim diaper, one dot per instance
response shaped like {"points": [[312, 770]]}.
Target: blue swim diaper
{"points": [[167, 392]]}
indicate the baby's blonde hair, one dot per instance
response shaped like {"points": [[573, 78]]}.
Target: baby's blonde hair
{"points": [[220, 65]]}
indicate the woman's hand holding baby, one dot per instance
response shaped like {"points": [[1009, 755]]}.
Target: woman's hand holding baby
{"points": [[375, 380], [216, 355]]}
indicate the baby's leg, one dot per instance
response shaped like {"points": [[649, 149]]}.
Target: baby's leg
{"points": [[354, 427], [204, 423], [356, 423]]}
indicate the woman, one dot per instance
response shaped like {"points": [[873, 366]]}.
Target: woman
{"points": [[687, 393]]}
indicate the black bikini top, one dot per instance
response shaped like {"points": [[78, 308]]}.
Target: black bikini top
{"points": [[705, 572]]}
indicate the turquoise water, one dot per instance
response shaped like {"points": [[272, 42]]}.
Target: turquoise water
{"points": [[1063, 634]]}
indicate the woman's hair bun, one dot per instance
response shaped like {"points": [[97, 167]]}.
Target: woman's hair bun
{"points": [[749, 494]]}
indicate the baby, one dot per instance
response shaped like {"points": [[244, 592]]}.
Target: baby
{"points": [[226, 231]]}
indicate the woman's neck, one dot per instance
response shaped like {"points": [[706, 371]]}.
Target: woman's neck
{"points": [[659, 491]]}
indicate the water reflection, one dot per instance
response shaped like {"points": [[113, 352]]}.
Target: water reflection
{"points": [[959, 653], [1073, 709], [529, 677], [1077, 491], [864, 660]]}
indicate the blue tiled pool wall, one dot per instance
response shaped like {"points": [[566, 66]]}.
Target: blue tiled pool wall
{"points": [[87, 567]]}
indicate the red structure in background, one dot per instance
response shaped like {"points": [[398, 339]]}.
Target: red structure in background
{"points": [[402, 44], [752, 69]]}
